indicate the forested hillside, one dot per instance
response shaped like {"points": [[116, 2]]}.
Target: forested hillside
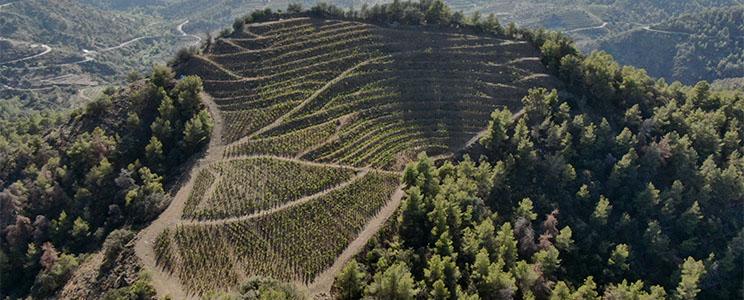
{"points": [[618, 191], [398, 151], [68, 180], [701, 46]]}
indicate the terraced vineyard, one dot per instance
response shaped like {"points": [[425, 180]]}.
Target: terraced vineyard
{"points": [[316, 119], [248, 185], [358, 94]]}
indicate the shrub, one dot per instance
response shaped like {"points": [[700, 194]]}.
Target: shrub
{"points": [[114, 244]]}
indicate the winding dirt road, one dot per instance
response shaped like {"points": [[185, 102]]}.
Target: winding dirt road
{"points": [[179, 28], [46, 51], [164, 283], [648, 28], [604, 25]]}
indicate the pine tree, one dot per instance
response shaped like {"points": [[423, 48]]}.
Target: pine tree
{"points": [[413, 220], [587, 291], [547, 260], [561, 292], [689, 284], [507, 245], [197, 130], [350, 282], [187, 91], [496, 136], [563, 241], [154, 153], [525, 210], [439, 291], [618, 261], [396, 283], [602, 210]]}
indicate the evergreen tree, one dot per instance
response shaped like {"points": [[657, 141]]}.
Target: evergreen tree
{"points": [[350, 282], [689, 284], [496, 135], [413, 220], [396, 283]]}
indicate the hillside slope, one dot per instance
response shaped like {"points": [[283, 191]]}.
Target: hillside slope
{"points": [[341, 106], [701, 46], [54, 49]]}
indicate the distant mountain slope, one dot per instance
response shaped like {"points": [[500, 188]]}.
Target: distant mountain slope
{"points": [[702, 46], [56, 48], [66, 23], [618, 25]]}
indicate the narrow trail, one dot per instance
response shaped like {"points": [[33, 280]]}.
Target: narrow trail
{"points": [[124, 44], [165, 283], [604, 25], [222, 69], [279, 208], [6, 4], [324, 281], [307, 162], [46, 51], [276, 22], [648, 28], [26, 89], [179, 28], [343, 120]]}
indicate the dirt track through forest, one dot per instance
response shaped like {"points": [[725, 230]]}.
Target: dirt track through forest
{"points": [[165, 283], [46, 51]]}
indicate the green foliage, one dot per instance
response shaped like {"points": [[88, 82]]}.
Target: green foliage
{"points": [[162, 76], [438, 13], [140, 289], [547, 260], [57, 269], [84, 178], [395, 283], [197, 130], [259, 288], [555, 47], [602, 210], [350, 283], [496, 136], [692, 272], [525, 210], [619, 257], [412, 217], [114, 244], [564, 241]]}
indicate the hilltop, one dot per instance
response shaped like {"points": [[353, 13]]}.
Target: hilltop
{"points": [[401, 151], [342, 105]]}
